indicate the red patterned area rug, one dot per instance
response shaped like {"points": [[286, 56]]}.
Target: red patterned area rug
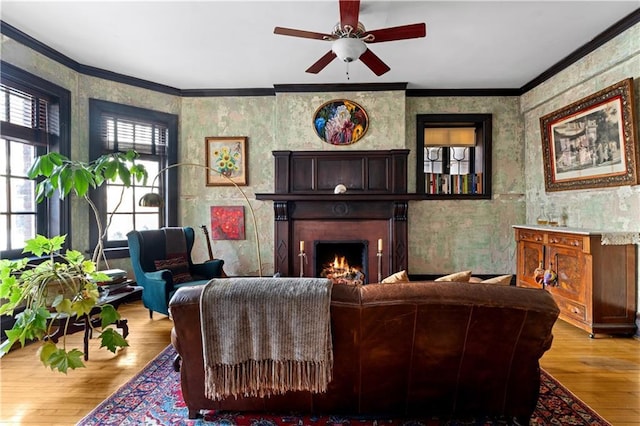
{"points": [[153, 397]]}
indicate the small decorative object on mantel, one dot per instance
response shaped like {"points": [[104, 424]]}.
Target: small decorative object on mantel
{"points": [[592, 142], [340, 122]]}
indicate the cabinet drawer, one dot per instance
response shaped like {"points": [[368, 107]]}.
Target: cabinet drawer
{"points": [[571, 309], [574, 241], [529, 235]]}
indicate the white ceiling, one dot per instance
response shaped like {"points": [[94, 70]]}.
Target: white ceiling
{"points": [[230, 44]]}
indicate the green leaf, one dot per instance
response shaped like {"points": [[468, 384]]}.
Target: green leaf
{"points": [[57, 158], [88, 266], [46, 350], [99, 276], [125, 175], [62, 361], [109, 315], [80, 182], [65, 181], [7, 284], [111, 170], [74, 256], [63, 306], [46, 166], [85, 305], [57, 242], [44, 189], [131, 155], [112, 340], [30, 324]]}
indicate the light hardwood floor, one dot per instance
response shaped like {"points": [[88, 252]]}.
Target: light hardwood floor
{"points": [[604, 372]]}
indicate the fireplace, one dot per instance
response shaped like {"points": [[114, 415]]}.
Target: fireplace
{"points": [[341, 261], [307, 210]]}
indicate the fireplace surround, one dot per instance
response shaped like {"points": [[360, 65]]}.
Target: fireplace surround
{"points": [[374, 207]]}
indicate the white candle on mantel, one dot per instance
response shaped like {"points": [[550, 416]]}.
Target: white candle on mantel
{"points": [[379, 244], [301, 246]]}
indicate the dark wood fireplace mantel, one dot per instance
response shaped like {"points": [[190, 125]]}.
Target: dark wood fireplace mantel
{"points": [[375, 206]]}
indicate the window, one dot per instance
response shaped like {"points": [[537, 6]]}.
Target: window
{"points": [[454, 155], [153, 134], [34, 115]]}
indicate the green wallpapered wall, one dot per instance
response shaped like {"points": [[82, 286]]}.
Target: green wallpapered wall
{"points": [[444, 235]]}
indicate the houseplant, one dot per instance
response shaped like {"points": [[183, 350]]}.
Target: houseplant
{"points": [[31, 283], [59, 175]]}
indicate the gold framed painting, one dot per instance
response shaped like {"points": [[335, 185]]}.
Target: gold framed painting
{"points": [[226, 160], [340, 122], [592, 143]]}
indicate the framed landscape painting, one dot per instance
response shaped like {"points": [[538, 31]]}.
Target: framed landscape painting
{"points": [[226, 160], [592, 143]]}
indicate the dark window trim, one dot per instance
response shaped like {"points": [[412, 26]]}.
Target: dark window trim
{"points": [[170, 214], [57, 211]]}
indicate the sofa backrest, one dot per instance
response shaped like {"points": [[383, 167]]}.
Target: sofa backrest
{"points": [[408, 348], [441, 346]]}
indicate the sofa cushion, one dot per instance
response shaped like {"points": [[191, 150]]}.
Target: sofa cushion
{"points": [[179, 267], [398, 277], [502, 280], [462, 276]]}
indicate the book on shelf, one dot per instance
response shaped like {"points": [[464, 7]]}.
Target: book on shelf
{"points": [[448, 184]]}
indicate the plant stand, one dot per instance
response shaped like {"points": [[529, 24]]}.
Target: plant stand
{"points": [[87, 322]]}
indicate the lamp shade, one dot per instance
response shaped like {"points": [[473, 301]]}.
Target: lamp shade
{"points": [[348, 49], [151, 199]]}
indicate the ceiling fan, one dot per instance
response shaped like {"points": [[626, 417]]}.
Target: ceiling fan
{"points": [[349, 37]]}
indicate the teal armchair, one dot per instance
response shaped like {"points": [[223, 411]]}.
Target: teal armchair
{"points": [[161, 261]]}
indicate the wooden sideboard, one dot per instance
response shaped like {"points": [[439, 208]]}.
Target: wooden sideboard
{"points": [[596, 285]]}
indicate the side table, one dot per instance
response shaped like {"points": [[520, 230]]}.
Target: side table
{"points": [[85, 322]]}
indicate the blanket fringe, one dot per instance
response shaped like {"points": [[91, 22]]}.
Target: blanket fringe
{"points": [[261, 378]]}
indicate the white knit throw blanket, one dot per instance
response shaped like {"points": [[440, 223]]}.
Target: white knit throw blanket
{"points": [[266, 336]]}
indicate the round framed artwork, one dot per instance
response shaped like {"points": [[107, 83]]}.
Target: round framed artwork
{"points": [[340, 122]]}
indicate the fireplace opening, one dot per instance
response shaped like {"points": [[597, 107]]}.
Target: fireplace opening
{"points": [[341, 261]]}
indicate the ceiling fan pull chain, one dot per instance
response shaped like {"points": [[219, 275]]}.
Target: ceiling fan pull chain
{"points": [[347, 70]]}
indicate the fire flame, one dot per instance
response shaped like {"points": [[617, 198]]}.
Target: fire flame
{"points": [[340, 272]]}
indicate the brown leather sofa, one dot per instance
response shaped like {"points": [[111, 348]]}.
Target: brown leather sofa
{"points": [[406, 349]]}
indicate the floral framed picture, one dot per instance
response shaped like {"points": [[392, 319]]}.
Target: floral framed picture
{"points": [[340, 122], [226, 160], [227, 223], [592, 143]]}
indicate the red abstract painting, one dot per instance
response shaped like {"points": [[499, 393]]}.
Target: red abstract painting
{"points": [[227, 223]]}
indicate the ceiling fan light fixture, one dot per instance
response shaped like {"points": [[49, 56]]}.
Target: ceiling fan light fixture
{"points": [[348, 49]]}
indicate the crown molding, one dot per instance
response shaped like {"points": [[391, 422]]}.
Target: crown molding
{"points": [[340, 87], [613, 31]]}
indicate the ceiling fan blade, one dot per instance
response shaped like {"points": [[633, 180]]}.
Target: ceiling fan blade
{"points": [[349, 11], [300, 33], [372, 61], [321, 63], [402, 32]]}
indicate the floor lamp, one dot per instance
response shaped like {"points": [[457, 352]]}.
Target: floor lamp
{"points": [[154, 199]]}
